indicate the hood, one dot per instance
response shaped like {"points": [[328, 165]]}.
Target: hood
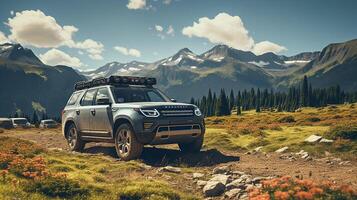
{"points": [[157, 105]]}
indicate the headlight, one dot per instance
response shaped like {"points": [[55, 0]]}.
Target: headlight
{"points": [[150, 112], [197, 112]]}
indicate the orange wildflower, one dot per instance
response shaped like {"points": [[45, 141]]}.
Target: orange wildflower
{"points": [[281, 195]]}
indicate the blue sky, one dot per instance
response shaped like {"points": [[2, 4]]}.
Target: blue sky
{"points": [[292, 26]]}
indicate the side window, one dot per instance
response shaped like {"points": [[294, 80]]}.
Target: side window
{"points": [[102, 93], [74, 98], [88, 98]]}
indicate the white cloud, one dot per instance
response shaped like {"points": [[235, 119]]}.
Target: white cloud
{"points": [[58, 57], [159, 28], [136, 4], [170, 31], [127, 51], [12, 12], [229, 30], [3, 38], [266, 46], [93, 48], [161, 33], [80, 52], [33, 27], [39, 30]]}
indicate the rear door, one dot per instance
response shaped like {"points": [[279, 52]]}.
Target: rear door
{"points": [[102, 118], [84, 112]]}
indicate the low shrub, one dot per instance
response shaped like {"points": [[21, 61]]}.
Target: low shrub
{"points": [[287, 119], [345, 131], [288, 188], [2, 130], [57, 186], [19, 147], [312, 119]]}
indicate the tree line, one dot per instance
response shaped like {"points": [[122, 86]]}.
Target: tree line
{"points": [[303, 95]]}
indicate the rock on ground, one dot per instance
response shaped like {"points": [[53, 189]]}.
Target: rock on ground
{"points": [[197, 175], [313, 138], [170, 169], [282, 150], [234, 193], [213, 188], [224, 179]]}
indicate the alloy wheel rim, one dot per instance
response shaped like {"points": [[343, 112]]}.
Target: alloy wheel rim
{"points": [[124, 141], [72, 137]]}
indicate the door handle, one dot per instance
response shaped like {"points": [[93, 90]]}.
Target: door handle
{"points": [[78, 112], [92, 111]]}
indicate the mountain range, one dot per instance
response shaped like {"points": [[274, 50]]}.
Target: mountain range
{"points": [[27, 83]]}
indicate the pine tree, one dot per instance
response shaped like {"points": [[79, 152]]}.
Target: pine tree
{"points": [[257, 109], [304, 92], [239, 112], [34, 117], [231, 100]]}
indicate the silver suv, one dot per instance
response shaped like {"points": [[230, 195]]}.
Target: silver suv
{"points": [[131, 113]]}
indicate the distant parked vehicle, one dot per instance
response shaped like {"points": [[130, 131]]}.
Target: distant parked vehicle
{"points": [[48, 123], [20, 123], [6, 123]]}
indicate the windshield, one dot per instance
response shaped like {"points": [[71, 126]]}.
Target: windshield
{"points": [[20, 121], [138, 94]]}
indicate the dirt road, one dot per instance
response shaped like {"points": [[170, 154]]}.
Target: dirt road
{"points": [[258, 164]]}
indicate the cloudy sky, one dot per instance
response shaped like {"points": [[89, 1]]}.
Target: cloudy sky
{"points": [[87, 33]]}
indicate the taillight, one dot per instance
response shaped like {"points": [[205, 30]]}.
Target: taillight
{"points": [[62, 113]]}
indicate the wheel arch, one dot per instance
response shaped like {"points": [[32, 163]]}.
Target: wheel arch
{"points": [[66, 126], [119, 121]]}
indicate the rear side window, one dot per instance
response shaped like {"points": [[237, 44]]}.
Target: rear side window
{"points": [[74, 98], [88, 98]]}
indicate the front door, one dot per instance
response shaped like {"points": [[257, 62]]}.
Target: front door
{"points": [[103, 118]]}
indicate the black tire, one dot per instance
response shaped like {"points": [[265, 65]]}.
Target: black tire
{"points": [[126, 144], [74, 141], [192, 147]]}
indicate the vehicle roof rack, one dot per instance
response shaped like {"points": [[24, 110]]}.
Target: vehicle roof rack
{"points": [[115, 80]]}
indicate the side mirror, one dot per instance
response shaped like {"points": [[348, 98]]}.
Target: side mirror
{"points": [[103, 101], [173, 100]]}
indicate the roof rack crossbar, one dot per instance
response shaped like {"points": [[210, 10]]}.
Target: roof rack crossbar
{"points": [[115, 80]]}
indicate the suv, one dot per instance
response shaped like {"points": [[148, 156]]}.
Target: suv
{"points": [[131, 113]]}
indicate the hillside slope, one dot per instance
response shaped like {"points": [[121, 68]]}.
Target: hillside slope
{"points": [[27, 84]]}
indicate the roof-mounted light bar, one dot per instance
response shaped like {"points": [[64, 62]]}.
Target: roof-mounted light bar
{"points": [[116, 80]]}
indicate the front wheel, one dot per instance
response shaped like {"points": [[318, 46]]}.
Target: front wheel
{"points": [[192, 147], [126, 144], [75, 143]]}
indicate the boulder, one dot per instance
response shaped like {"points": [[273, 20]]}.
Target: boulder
{"points": [[221, 170], [170, 169], [232, 194], [313, 138], [282, 150], [324, 140], [201, 183], [238, 183], [213, 188], [197, 175], [224, 179]]}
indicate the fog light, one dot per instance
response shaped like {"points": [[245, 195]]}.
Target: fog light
{"points": [[147, 125]]}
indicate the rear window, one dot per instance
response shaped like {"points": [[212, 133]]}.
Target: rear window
{"points": [[20, 121], [74, 98]]}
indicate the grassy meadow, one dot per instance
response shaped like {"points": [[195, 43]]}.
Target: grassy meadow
{"points": [[29, 171]]}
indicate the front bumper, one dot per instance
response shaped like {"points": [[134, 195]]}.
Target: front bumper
{"points": [[169, 130]]}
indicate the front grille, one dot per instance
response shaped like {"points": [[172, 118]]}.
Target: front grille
{"points": [[176, 113]]}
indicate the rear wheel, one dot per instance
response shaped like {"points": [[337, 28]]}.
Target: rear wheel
{"points": [[126, 144], [192, 147], [75, 143]]}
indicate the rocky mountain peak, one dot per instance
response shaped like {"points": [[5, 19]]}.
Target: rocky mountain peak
{"points": [[16, 52]]}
